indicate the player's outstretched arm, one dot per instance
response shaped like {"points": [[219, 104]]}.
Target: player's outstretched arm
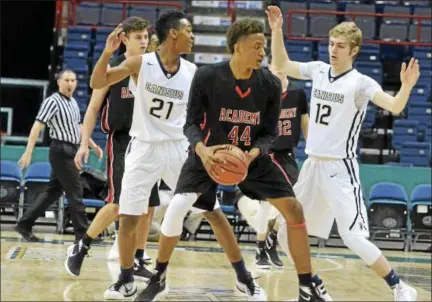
{"points": [[280, 57], [409, 75], [101, 75]]}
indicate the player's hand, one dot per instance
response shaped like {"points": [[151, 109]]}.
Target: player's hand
{"points": [[114, 39], [275, 17], [99, 152], [410, 73], [25, 160], [83, 152], [208, 158], [252, 154]]}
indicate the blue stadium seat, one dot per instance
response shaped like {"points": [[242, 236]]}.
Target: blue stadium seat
{"points": [[422, 89], [146, 12], [396, 9], [425, 33], [102, 34], [421, 112], [111, 15], [371, 69], [422, 11], [421, 210], [388, 206], [417, 153], [299, 47], [369, 119], [404, 131], [393, 32], [88, 13], [10, 184], [369, 52], [90, 203], [323, 51], [79, 35], [300, 151], [76, 51]]}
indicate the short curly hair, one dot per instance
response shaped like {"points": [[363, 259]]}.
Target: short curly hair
{"points": [[240, 29]]}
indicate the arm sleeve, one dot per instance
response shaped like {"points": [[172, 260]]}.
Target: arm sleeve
{"points": [[195, 117], [270, 119], [47, 110], [310, 69]]}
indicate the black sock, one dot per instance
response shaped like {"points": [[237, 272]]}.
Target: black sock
{"points": [[126, 274], [87, 240], [161, 268], [116, 225], [261, 244], [139, 253], [316, 279], [241, 271], [273, 235], [392, 279], [305, 279]]}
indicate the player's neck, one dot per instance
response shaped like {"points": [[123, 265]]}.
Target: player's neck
{"points": [[239, 71], [336, 70], [168, 57]]}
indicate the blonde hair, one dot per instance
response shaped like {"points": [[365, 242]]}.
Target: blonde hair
{"points": [[350, 31]]}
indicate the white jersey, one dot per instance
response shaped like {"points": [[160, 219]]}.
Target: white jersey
{"points": [[337, 109], [160, 100]]}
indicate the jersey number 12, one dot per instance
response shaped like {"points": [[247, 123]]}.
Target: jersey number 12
{"points": [[158, 106], [323, 112]]}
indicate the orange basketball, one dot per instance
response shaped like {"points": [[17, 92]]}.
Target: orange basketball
{"points": [[235, 169]]}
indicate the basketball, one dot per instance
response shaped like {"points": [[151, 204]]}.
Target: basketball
{"points": [[236, 167]]}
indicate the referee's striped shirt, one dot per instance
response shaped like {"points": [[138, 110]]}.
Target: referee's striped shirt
{"points": [[62, 115]]}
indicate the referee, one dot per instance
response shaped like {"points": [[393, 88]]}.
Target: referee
{"points": [[61, 113]]}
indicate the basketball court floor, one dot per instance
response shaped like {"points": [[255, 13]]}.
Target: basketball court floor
{"points": [[199, 271]]}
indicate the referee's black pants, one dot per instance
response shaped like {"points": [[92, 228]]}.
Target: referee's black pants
{"points": [[64, 177]]}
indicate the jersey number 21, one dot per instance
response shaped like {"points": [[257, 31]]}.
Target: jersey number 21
{"points": [[159, 104]]}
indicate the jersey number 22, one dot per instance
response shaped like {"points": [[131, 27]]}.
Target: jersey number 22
{"points": [[157, 107]]}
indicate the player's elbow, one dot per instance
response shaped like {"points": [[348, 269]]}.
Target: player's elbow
{"points": [[96, 83], [396, 108]]}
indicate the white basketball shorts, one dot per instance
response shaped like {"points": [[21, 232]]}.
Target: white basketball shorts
{"points": [[145, 164], [328, 190]]}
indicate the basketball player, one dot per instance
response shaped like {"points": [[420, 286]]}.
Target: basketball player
{"points": [[329, 184], [158, 146], [293, 119], [116, 121], [153, 44], [238, 103]]}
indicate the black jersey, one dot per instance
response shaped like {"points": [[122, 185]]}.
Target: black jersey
{"points": [[294, 105], [223, 110], [118, 109]]}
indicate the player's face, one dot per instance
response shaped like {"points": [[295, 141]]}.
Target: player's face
{"points": [[340, 52], [185, 37], [67, 83], [252, 50], [136, 42]]}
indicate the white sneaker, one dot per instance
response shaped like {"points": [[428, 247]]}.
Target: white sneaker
{"points": [[253, 290], [120, 291], [113, 254], [147, 258], [404, 292]]}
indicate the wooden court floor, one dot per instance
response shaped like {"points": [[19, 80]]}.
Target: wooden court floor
{"points": [[199, 271]]}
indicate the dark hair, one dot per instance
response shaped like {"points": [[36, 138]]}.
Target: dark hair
{"points": [[61, 73], [168, 20], [132, 24], [240, 29]]}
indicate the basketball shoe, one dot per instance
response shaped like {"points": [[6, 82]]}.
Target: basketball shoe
{"points": [[271, 251], [140, 271], [262, 259], [252, 289], [157, 287], [404, 292], [75, 258], [121, 290]]}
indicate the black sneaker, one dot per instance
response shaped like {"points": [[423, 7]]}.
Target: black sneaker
{"points": [[25, 232], [156, 288], [140, 271], [75, 258], [261, 259], [309, 294], [121, 290], [271, 251]]}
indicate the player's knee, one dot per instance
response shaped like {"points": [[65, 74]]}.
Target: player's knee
{"points": [[362, 247], [113, 208], [128, 223], [213, 216], [293, 212], [172, 224]]}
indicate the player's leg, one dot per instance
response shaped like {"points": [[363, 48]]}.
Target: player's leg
{"points": [[143, 228], [268, 180], [143, 166], [344, 195], [226, 238], [193, 178]]}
